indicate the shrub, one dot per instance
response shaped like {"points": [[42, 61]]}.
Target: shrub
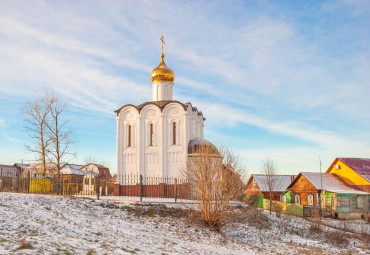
{"points": [[315, 226], [25, 245], [276, 207], [337, 238], [252, 200]]}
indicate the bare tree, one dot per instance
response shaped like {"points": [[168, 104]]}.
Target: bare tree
{"points": [[216, 176], [58, 132], [35, 116], [93, 159], [272, 181]]}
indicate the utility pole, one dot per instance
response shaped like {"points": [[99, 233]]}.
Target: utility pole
{"points": [[321, 192]]}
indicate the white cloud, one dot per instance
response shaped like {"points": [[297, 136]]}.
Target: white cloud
{"points": [[3, 123]]}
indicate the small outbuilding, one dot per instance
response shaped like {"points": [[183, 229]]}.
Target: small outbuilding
{"points": [[257, 187]]}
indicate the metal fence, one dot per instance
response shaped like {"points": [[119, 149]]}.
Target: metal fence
{"points": [[92, 184]]}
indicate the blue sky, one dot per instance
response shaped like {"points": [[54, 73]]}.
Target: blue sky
{"points": [[284, 79]]}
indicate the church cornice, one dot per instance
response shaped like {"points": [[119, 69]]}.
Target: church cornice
{"points": [[161, 105]]}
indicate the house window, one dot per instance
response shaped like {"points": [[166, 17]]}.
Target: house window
{"points": [[174, 133], [86, 181], [343, 202], [151, 135], [129, 136], [92, 181], [310, 199], [359, 202], [297, 198]]}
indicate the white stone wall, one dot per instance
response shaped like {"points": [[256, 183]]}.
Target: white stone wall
{"points": [[162, 90], [162, 158]]}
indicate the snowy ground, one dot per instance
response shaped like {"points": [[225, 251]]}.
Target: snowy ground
{"points": [[35, 224]]}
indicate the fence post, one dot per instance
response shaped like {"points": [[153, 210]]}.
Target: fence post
{"points": [[175, 190], [1, 179], [28, 182], [61, 184], [98, 186], [18, 180], [141, 187]]}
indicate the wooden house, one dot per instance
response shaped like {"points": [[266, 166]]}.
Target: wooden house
{"points": [[353, 171], [330, 193], [90, 180], [72, 173], [8, 180], [21, 167], [101, 170], [257, 187], [8, 171], [36, 170]]}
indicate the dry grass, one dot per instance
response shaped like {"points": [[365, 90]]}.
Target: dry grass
{"points": [[25, 246], [149, 210], [315, 226], [337, 238]]}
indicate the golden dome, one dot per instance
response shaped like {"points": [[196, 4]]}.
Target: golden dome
{"points": [[162, 72]]}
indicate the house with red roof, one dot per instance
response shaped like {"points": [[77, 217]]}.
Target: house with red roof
{"points": [[353, 171]]}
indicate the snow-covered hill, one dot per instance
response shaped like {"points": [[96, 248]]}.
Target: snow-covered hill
{"points": [[36, 224]]}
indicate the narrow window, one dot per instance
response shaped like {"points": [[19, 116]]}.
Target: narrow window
{"points": [[310, 199], [174, 133], [129, 136], [297, 199], [359, 202], [151, 135]]}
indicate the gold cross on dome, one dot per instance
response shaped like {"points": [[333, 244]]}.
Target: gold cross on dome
{"points": [[162, 39]]}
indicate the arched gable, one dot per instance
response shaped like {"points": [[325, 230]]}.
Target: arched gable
{"points": [[173, 110], [150, 111], [128, 113], [160, 104]]}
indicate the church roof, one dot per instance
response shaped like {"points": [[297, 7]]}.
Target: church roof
{"points": [[161, 105], [195, 144]]}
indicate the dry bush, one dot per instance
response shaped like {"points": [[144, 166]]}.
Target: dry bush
{"points": [[256, 218], [25, 245], [216, 177], [252, 200], [337, 238], [252, 216], [315, 226], [278, 208]]}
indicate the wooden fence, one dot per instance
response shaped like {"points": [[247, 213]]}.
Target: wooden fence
{"points": [[287, 208]]}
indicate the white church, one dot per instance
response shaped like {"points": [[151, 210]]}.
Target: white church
{"points": [[157, 137]]}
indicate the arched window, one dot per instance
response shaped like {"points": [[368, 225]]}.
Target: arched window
{"points": [[297, 198], [174, 133], [151, 135], [129, 136], [310, 199]]}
